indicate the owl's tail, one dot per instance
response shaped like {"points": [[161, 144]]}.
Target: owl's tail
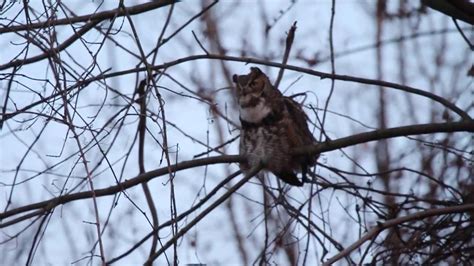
{"points": [[289, 177]]}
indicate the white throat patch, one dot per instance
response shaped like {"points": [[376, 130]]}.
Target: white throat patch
{"points": [[254, 114]]}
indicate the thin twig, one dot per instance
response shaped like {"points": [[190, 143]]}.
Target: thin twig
{"points": [[47, 53], [199, 42], [205, 212], [289, 42], [165, 40], [375, 231], [180, 217], [119, 12], [7, 94], [141, 128], [217, 147], [333, 67], [463, 35]]}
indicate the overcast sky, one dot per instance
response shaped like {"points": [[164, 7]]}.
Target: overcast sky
{"points": [[70, 236]]}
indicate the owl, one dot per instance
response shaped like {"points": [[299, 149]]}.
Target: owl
{"points": [[272, 125]]}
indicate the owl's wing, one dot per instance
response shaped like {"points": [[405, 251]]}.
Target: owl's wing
{"points": [[299, 133], [299, 118]]}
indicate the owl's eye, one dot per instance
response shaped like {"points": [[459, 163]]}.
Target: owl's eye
{"points": [[255, 83]]}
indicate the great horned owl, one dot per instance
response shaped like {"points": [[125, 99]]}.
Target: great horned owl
{"points": [[272, 125]]}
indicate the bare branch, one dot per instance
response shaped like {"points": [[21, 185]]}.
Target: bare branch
{"points": [[375, 231], [465, 126], [289, 42], [100, 16]]}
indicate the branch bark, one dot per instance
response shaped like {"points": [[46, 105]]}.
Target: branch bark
{"points": [[420, 129], [465, 126]]}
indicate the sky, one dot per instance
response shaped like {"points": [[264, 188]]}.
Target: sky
{"points": [[69, 235]]}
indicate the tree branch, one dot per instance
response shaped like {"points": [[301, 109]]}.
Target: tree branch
{"points": [[48, 53], [289, 42], [119, 12], [320, 74], [52, 203], [379, 134], [467, 126], [372, 233], [205, 212]]}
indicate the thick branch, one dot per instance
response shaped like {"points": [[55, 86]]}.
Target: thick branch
{"points": [[50, 204], [466, 126], [379, 134]]}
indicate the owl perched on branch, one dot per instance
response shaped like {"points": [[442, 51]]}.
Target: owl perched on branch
{"points": [[272, 125]]}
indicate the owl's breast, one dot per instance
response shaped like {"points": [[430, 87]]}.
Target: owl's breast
{"points": [[268, 144]]}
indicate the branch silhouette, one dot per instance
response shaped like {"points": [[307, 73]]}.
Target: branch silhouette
{"points": [[45, 206], [322, 75], [104, 15], [375, 231]]}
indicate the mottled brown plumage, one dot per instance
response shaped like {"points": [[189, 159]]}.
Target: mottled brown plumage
{"points": [[272, 125]]}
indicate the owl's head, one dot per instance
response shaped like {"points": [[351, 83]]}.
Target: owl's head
{"points": [[251, 87], [254, 93]]}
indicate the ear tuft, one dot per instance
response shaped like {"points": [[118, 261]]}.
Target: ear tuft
{"points": [[256, 70]]}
